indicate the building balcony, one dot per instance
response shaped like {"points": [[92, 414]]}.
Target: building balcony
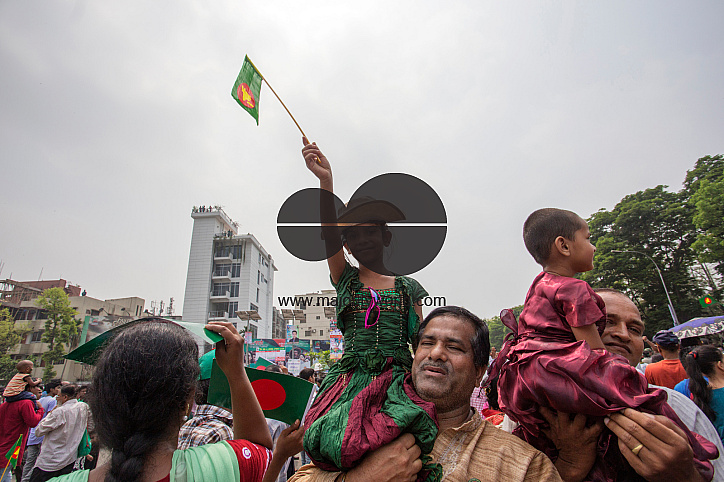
{"points": [[225, 296], [218, 316], [226, 258], [224, 275]]}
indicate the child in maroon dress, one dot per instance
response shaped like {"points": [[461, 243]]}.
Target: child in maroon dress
{"points": [[557, 358]]}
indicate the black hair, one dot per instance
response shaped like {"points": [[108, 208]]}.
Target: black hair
{"points": [[491, 392], [274, 368], [480, 340], [141, 387], [542, 228], [202, 392], [306, 373], [69, 390], [702, 361], [52, 384]]}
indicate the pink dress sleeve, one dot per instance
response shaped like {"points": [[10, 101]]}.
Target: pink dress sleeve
{"points": [[253, 459], [579, 304]]}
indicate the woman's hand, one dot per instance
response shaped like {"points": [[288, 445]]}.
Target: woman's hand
{"points": [[316, 162], [230, 352]]}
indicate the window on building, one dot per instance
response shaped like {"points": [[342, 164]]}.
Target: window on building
{"points": [[308, 333], [222, 269], [37, 335], [220, 289], [235, 270], [257, 295], [233, 308], [258, 276], [235, 290], [253, 307], [317, 316], [321, 332]]}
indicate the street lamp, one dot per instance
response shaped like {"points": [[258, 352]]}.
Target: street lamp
{"points": [[671, 306]]}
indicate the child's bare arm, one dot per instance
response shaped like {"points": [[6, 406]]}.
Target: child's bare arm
{"points": [[589, 334], [320, 167]]}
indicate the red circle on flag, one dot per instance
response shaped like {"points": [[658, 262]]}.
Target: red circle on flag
{"points": [[270, 394], [243, 93], [707, 301]]}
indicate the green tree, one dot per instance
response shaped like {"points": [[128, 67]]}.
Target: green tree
{"points": [[659, 224], [60, 326], [322, 358], [11, 334], [708, 201]]}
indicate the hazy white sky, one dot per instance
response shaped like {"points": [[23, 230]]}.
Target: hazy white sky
{"points": [[116, 118]]}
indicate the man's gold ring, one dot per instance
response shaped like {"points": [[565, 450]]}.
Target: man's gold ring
{"points": [[637, 449]]}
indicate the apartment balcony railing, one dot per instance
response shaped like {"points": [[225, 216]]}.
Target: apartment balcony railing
{"points": [[220, 296], [226, 258], [221, 275], [218, 316]]}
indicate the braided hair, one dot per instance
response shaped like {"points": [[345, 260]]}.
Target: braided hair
{"points": [[141, 385], [702, 361]]}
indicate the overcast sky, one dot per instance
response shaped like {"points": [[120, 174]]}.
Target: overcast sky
{"points": [[116, 118]]}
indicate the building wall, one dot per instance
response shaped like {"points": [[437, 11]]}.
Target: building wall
{"points": [[213, 237], [315, 326], [198, 277], [32, 348]]}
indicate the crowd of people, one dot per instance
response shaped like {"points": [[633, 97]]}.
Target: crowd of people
{"points": [[413, 398], [49, 424]]}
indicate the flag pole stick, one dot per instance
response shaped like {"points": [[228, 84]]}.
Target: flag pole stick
{"points": [[277, 96], [285, 107], [6, 469]]}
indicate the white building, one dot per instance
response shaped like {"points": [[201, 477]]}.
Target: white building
{"points": [[227, 272], [319, 311]]}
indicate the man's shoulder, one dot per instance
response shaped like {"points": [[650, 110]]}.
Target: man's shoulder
{"points": [[493, 453], [493, 437]]}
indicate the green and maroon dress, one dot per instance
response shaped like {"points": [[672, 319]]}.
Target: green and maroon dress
{"points": [[367, 400]]}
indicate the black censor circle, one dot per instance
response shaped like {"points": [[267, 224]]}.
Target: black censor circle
{"points": [[393, 224]]}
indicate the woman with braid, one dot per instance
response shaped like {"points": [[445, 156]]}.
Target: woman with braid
{"points": [[142, 390], [707, 361]]}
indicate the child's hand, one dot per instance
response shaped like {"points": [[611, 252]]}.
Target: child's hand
{"points": [[290, 441], [316, 162]]}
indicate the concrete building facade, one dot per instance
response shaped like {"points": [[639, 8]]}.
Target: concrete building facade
{"points": [[111, 311], [227, 272], [319, 310]]}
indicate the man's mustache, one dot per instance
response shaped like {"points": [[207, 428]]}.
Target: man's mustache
{"points": [[440, 365]]}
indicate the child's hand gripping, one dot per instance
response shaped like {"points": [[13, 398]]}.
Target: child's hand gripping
{"points": [[316, 162]]}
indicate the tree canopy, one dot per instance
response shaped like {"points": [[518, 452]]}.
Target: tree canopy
{"points": [[11, 334], [675, 231], [60, 326]]}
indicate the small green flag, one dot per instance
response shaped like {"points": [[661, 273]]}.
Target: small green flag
{"points": [[247, 88], [707, 300], [14, 452], [282, 397]]}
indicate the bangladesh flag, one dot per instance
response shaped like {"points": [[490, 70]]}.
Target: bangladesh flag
{"points": [[707, 300], [247, 88], [14, 452], [282, 397]]}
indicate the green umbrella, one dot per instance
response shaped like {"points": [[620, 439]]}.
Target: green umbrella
{"points": [[89, 352]]}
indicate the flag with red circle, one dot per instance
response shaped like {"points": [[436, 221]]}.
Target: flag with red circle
{"points": [[247, 88], [282, 397]]}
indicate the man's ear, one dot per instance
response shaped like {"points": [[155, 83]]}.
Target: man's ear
{"points": [[561, 245]]}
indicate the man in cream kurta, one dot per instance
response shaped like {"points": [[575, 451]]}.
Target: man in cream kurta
{"points": [[445, 370]]}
